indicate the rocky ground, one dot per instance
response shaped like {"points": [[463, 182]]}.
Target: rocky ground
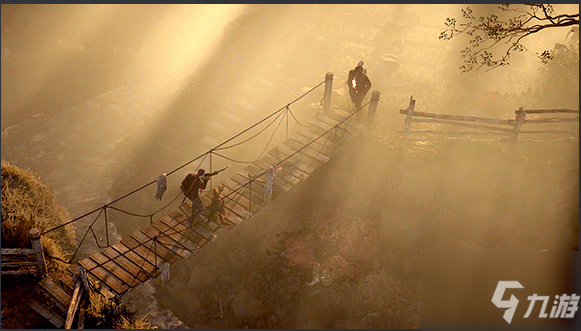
{"points": [[343, 249]]}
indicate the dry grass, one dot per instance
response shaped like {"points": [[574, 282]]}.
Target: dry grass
{"points": [[28, 203]]}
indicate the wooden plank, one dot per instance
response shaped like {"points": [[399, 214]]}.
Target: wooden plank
{"points": [[177, 237], [184, 231], [115, 269], [301, 161], [354, 127], [199, 228], [459, 133], [141, 256], [550, 120], [76, 299], [17, 251], [309, 149], [126, 264], [448, 122], [257, 187], [304, 157], [106, 278], [319, 128], [43, 310], [260, 184], [265, 162], [49, 286], [19, 272], [18, 264], [328, 146], [459, 118], [336, 140], [186, 208], [560, 131], [167, 242], [549, 111], [232, 207], [231, 185], [146, 251], [159, 249], [241, 200]]}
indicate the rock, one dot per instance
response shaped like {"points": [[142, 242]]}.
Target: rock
{"points": [[200, 278], [247, 307]]}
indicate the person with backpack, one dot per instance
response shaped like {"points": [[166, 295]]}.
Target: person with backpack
{"points": [[191, 187]]}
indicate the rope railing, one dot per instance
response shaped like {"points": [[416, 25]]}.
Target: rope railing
{"points": [[239, 191], [187, 163], [103, 209], [254, 178]]}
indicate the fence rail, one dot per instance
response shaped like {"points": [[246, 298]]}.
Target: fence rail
{"points": [[504, 127], [19, 257]]}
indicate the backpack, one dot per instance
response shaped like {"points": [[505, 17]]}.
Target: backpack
{"points": [[188, 184]]}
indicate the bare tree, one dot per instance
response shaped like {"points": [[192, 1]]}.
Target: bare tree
{"points": [[487, 32]]}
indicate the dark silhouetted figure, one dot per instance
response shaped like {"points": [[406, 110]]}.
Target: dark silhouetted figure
{"points": [[359, 84], [191, 187]]}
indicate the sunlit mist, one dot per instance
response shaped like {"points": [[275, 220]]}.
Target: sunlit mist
{"points": [[99, 100]]}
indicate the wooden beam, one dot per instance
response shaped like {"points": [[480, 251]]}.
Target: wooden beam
{"points": [[551, 120], [43, 310], [19, 272], [549, 111], [448, 122], [18, 264], [459, 118], [75, 300], [17, 251]]}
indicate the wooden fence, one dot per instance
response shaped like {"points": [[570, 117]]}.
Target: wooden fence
{"points": [[15, 261], [509, 128], [51, 300]]}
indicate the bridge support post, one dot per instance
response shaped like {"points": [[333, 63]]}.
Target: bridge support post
{"points": [[38, 251], [328, 92], [372, 108]]}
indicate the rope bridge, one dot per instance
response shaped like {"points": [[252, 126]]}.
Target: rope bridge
{"points": [[141, 255]]}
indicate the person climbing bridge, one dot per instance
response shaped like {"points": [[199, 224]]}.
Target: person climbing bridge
{"points": [[359, 84]]}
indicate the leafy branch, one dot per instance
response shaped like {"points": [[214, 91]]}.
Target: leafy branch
{"points": [[487, 32]]}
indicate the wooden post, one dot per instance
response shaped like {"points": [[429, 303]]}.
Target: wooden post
{"points": [[83, 278], [520, 117], [372, 108], [38, 251], [328, 92], [75, 300], [409, 117]]}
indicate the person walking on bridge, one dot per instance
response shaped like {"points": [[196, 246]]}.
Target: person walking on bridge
{"points": [[191, 186], [359, 84]]}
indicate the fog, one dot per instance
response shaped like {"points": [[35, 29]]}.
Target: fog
{"points": [[101, 99]]}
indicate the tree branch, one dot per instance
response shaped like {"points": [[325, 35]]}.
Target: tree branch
{"points": [[491, 29]]}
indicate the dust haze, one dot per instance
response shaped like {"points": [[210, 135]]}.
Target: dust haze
{"points": [[101, 99]]}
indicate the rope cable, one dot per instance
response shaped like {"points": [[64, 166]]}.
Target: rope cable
{"points": [[103, 208], [240, 143]]}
